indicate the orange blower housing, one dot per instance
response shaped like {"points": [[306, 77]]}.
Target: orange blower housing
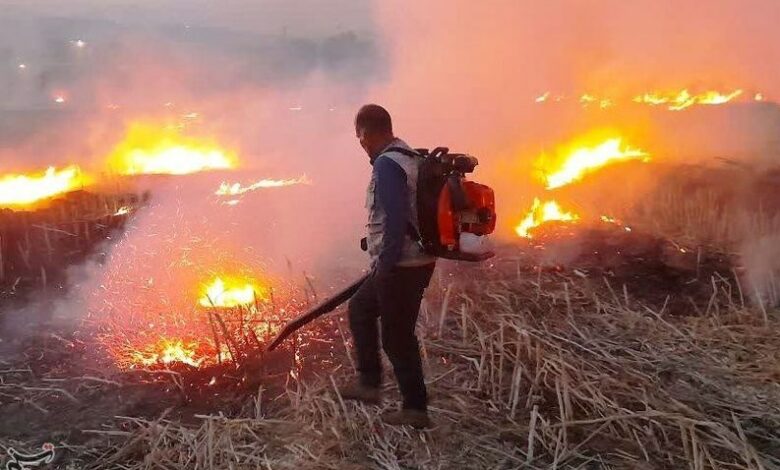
{"points": [[448, 205], [479, 217]]}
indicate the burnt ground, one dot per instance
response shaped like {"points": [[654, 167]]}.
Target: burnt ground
{"points": [[634, 267], [57, 385]]}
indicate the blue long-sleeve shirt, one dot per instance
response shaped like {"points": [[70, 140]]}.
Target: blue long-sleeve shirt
{"points": [[392, 195]]}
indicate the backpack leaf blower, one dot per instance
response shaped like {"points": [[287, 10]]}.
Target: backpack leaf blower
{"points": [[454, 218]]}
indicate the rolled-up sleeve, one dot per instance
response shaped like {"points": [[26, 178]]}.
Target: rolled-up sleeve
{"points": [[393, 197]]}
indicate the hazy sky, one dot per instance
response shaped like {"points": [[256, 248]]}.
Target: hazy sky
{"points": [[300, 17]]}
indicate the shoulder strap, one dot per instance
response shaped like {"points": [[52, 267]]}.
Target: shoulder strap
{"points": [[411, 230], [401, 150]]}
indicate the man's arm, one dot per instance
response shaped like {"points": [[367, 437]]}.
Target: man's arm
{"points": [[392, 195]]}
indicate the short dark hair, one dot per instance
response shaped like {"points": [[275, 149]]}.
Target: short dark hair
{"points": [[374, 119]]}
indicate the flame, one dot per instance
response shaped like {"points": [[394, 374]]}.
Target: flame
{"points": [[587, 99], [150, 150], [26, 190], [583, 160], [124, 210], [683, 99], [674, 100], [224, 292], [167, 351], [236, 189], [541, 213], [543, 97]]}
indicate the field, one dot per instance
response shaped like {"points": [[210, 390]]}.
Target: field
{"points": [[656, 348]]}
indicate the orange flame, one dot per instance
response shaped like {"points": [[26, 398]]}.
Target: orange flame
{"points": [[674, 100], [583, 160], [227, 292], [683, 99], [168, 351], [150, 150], [541, 213], [26, 190]]}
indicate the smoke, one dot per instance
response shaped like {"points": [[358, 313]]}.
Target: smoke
{"points": [[278, 83], [465, 74], [761, 257], [273, 85], [108, 67]]}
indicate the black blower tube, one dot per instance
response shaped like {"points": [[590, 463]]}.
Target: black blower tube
{"points": [[326, 307]]}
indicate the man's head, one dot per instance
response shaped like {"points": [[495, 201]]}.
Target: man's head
{"points": [[374, 129]]}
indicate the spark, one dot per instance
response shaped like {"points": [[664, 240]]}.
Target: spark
{"points": [[236, 189]]}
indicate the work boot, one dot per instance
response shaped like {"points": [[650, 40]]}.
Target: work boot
{"points": [[359, 392], [417, 419]]}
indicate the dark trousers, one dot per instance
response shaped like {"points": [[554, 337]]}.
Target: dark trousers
{"points": [[394, 299]]}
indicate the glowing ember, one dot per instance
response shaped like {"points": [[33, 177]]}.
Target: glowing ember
{"points": [[587, 99], [542, 98], [611, 220], [25, 190], [231, 292], [684, 99], [583, 160], [235, 189], [150, 150], [124, 210], [168, 351], [542, 213]]}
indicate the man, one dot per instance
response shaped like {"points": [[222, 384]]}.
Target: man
{"points": [[400, 273]]}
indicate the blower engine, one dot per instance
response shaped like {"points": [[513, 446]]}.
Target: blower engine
{"points": [[455, 215]]}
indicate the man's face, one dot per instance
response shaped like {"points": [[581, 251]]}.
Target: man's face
{"points": [[365, 140], [368, 141]]}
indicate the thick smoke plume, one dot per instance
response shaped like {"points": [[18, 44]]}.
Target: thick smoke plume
{"points": [[280, 93], [466, 74], [278, 83]]}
